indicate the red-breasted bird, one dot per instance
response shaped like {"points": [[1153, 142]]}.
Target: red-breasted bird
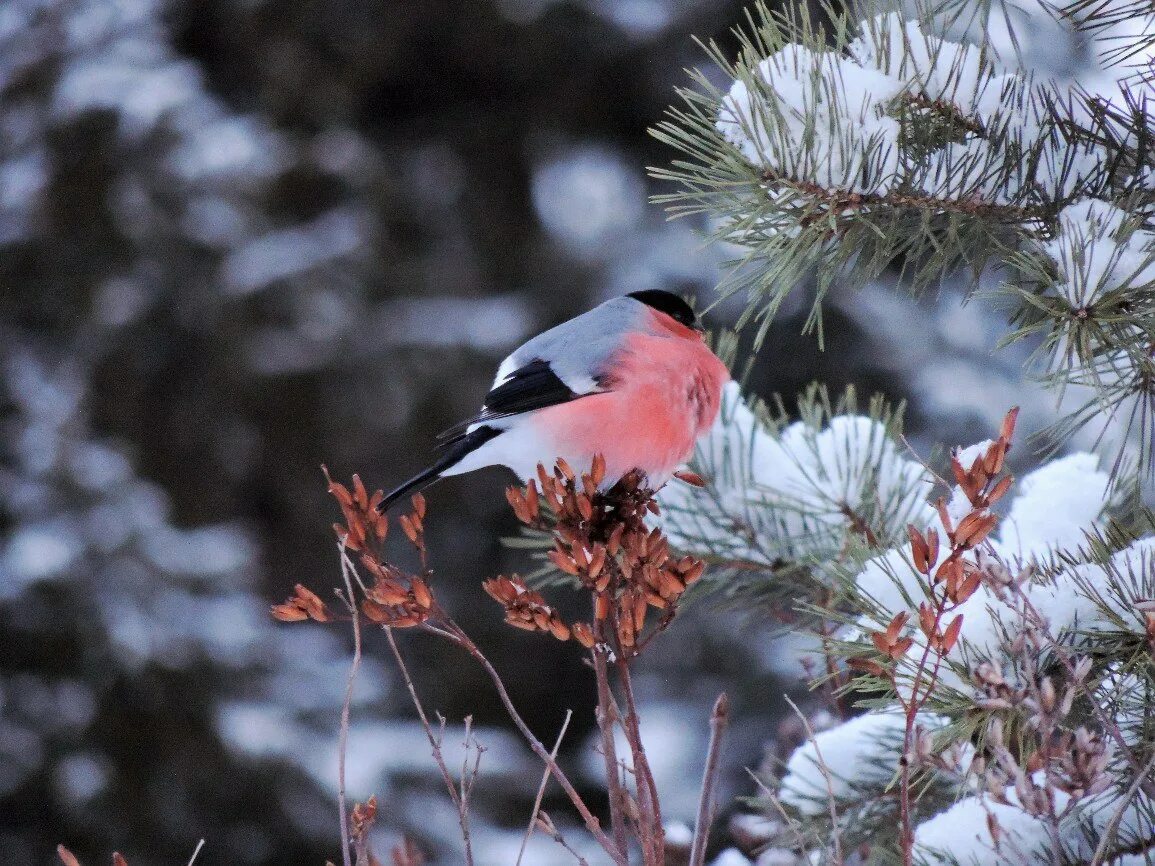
{"points": [[632, 380]]}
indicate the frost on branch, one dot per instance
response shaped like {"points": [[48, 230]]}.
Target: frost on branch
{"points": [[883, 134], [1098, 250], [899, 110], [791, 96]]}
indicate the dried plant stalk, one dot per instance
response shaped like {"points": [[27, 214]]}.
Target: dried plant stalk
{"points": [[600, 539], [719, 721]]}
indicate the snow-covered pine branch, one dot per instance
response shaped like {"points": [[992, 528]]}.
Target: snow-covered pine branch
{"points": [[1029, 741], [1035, 733], [803, 496], [1086, 298], [932, 140]]}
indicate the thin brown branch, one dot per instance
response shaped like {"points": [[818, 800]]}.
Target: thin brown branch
{"points": [[468, 778], [858, 524], [545, 823], [607, 718], [802, 841], [435, 746], [651, 834], [347, 571], [956, 115], [840, 200], [541, 788], [911, 708], [719, 721], [459, 637], [361, 846]]}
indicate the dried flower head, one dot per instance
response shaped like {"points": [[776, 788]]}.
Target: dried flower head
{"points": [[363, 816], [583, 634], [301, 605], [601, 539], [363, 524], [890, 642], [1082, 759], [394, 598], [361, 821], [389, 602], [526, 608]]}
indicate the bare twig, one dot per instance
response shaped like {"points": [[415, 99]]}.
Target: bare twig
{"points": [[361, 846], [196, 852], [930, 470], [719, 721], [459, 637], [545, 823], [1113, 825], [791, 823], [652, 833], [825, 770], [347, 570], [435, 746], [468, 778], [911, 709], [607, 717], [541, 788]]}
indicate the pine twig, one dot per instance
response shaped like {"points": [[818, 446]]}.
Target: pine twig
{"points": [[719, 721], [541, 788], [826, 776]]}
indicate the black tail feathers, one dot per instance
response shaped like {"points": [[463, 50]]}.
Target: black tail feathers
{"points": [[455, 451]]}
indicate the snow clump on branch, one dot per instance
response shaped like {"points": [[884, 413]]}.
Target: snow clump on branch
{"points": [[794, 492]]}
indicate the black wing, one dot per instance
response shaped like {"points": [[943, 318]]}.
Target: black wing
{"points": [[532, 386]]}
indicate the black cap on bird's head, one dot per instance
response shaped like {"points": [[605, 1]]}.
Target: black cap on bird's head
{"points": [[668, 303]]}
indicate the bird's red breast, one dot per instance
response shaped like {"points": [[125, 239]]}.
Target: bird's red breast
{"points": [[664, 393]]}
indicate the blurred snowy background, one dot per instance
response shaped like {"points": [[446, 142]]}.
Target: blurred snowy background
{"points": [[240, 238]]}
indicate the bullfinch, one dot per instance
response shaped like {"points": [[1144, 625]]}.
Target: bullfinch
{"points": [[632, 380]]}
